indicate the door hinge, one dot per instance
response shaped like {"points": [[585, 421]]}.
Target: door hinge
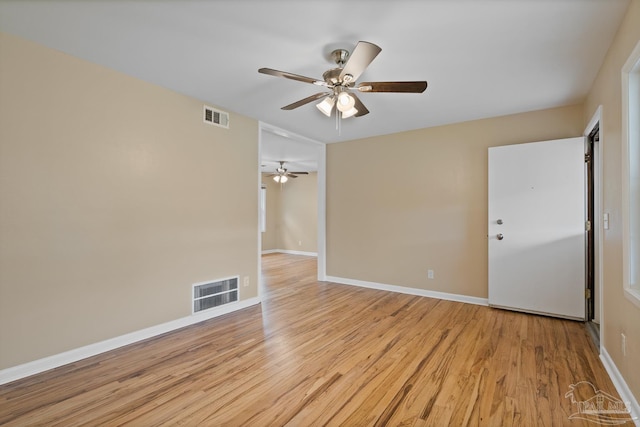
{"points": [[587, 225], [587, 293], [587, 158]]}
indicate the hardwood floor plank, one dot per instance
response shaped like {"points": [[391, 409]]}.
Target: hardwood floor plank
{"points": [[317, 353]]}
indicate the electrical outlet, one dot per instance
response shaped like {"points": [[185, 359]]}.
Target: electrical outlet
{"points": [[246, 281], [623, 339], [430, 274]]}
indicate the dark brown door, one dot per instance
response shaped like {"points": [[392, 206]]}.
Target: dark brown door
{"points": [[590, 242]]}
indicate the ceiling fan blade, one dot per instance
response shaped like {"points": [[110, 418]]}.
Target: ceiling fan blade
{"points": [[304, 101], [405, 87], [360, 59], [362, 110], [290, 175], [300, 173], [292, 76]]}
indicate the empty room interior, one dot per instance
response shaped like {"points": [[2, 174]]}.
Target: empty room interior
{"points": [[263, 213]]}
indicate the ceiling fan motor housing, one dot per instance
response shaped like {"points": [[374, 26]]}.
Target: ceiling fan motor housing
{"points": [[332, 76]]}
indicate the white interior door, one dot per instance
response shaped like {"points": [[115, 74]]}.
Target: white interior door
{"points": [[537, 227]]}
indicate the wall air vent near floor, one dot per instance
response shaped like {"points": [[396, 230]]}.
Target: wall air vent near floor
{"points": [[213, 294], [216, 117]]}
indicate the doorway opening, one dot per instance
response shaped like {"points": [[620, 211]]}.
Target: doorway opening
{"points": [[290, 223]]}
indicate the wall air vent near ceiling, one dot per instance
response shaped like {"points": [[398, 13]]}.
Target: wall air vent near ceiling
{"points": [[216, 117], [213, 294]]}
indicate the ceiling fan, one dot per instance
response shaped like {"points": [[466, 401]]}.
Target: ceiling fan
{"points": [[282, 175], [341, 82]]}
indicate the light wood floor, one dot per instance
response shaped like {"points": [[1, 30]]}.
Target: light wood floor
{"points": [[318, 353]]}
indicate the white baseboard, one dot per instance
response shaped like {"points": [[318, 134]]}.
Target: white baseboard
{"points": [[57, 360], [410, 291], [285, 251], [621, 386], [270, 251]]}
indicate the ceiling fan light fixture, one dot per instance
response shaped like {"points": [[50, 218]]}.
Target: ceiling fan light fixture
{"points": [[326, 106], [346, 102], [281, 179]]}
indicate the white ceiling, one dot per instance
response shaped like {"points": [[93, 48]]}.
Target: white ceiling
{"points": [[482, 58]]}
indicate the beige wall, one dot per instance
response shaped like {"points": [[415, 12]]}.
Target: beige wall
{"points": [[620, 315], [401, 204], [114, 201], [292, 214], [272, 229], [299, 214]]}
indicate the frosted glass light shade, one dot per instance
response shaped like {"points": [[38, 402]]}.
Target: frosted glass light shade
{"points": [[326, 105], [345, 102], [349, 113]]}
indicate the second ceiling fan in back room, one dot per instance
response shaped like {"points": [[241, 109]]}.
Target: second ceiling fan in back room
{"points": [[282, 175], [341, 83]]}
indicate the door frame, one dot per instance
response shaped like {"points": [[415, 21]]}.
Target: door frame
{"points": [[596, 121]]}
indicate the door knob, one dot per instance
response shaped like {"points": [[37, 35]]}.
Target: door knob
{"points": [[500, 236]]}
